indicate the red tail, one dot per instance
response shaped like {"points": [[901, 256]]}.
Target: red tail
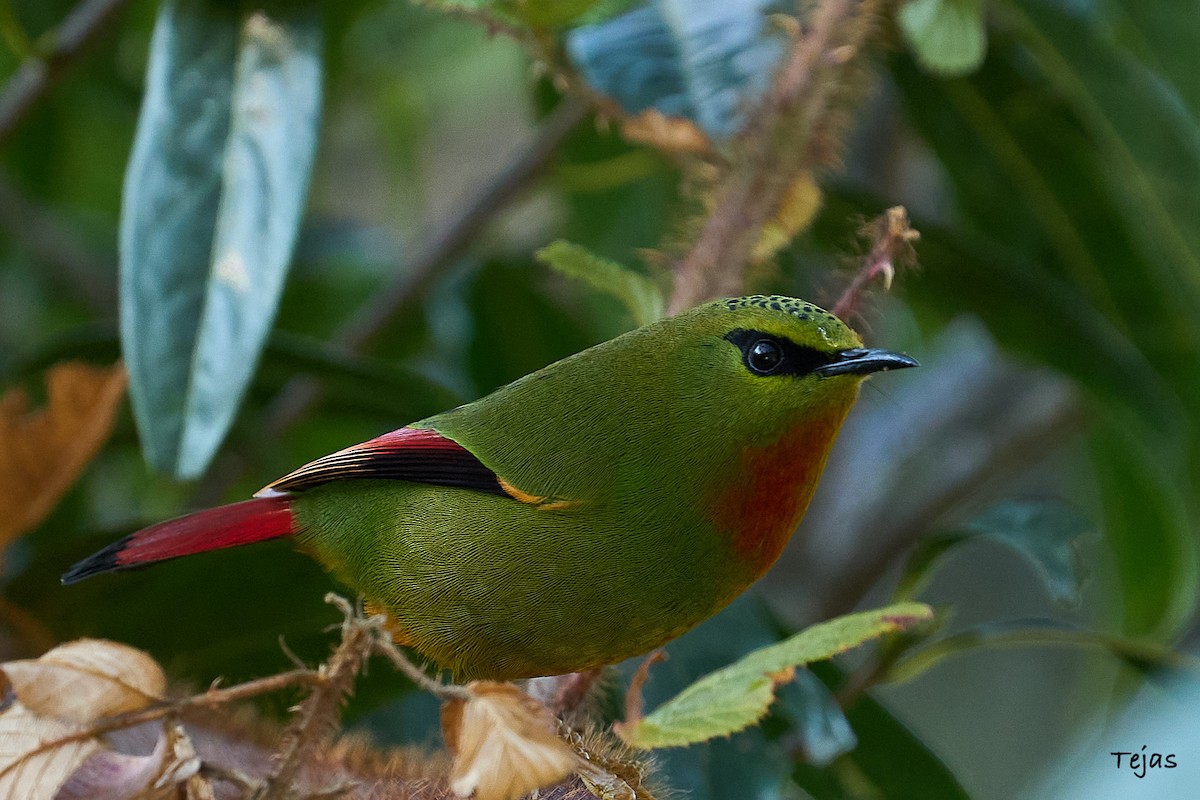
{"points": [[216, 528]]}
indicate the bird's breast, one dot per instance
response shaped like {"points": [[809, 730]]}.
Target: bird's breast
{"points": [[773, 486]]}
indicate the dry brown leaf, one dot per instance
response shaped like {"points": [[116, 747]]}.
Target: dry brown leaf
{"points": [[671, 134], [505, 743], [29, 769], [86, 679], [43, 452]]}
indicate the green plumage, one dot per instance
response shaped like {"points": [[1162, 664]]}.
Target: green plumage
{"points": [[639, 438], [584, 514]]}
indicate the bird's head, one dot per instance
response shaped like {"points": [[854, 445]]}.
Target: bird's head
{"points": [[779, 359], [766, 382]]}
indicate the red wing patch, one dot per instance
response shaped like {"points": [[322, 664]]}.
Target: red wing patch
{"points": [[408, 454]]}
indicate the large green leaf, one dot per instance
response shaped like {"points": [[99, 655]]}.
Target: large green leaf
{"points": [[214, 192], [733, 698], [1153, 168]]}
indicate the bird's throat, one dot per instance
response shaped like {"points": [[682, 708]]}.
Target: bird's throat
{"points": [[777, 481]]}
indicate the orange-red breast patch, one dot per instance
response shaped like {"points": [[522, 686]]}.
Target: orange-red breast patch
{"points": [[777, 482]]}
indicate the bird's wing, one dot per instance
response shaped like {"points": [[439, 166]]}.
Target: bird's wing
{"points": [[408, 454]]}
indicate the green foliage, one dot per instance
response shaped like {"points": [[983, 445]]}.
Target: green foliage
{"points": [[1053, 185], [1078, 250], [640, 295], [214, 191], [730, 699], [947, 36]]}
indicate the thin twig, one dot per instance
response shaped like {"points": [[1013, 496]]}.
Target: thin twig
{"points": [[635, 703], [35, 77], [442, 691], [213, 697], [892, 245], [317, 717]]}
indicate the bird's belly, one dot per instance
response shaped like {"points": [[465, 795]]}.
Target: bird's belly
{"points": [[491, 587]]}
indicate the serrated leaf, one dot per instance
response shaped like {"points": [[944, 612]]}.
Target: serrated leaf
{"points": [[31, 768], [86, 679], [505, 743], [949, 37], [214, 193], [42, 453], [733, 698], [703, 61], [1044, 532], [638, 293]]}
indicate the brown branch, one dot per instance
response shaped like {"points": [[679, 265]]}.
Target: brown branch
{"points": [[35, 77], [892, 245], [781, 142], [317, 717], [213, 697]]}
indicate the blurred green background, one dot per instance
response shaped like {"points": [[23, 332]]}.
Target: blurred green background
{"points": [[1055, 312]]}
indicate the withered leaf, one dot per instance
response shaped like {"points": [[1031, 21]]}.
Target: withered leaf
{"points": [[504, 742], [43, 452], [86, 679], [32, 767]]}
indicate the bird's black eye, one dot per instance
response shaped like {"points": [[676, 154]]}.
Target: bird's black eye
{"points": [[764, 356]]}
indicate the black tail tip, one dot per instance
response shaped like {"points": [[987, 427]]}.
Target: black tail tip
{"points": [[96, 564]]}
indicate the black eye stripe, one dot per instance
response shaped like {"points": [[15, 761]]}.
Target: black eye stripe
{"points": [[757, 349]]}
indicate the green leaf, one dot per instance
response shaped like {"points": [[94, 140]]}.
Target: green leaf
{"points": [[639, 294], [708, 62], [214, 193], [1148, 526], [948, 36], [1151, 168], [733, 698], [1046, 533]]}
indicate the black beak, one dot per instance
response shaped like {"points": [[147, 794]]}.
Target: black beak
{"points": [[861, 361]]}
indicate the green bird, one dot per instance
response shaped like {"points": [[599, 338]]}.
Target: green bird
{"points": [[586, 513]]}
